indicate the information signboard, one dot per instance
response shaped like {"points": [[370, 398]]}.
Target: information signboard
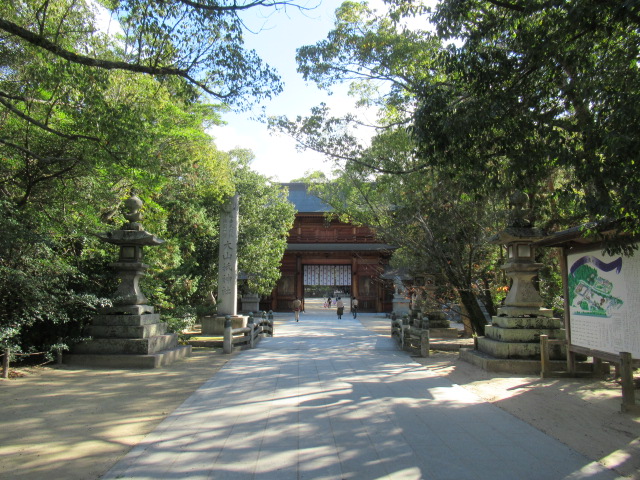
{"points": [[604, 302]]}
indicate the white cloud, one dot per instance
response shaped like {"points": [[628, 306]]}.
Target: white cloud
{"points": [[275, 155], [105, 22]]}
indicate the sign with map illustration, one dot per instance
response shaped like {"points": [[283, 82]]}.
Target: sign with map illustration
{"points": [[604, 302]]}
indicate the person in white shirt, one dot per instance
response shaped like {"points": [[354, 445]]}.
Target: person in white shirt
{"points": [[296, 305], [340, 305]]}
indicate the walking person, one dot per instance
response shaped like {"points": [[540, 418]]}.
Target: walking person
{"points": [[296, 304], [354, 307], [340, 305], [329, 302]]}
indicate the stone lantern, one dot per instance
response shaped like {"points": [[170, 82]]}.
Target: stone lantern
{"points": [[523, 298], [128, 334], [515, 331], [131, 238], [518, 238]]}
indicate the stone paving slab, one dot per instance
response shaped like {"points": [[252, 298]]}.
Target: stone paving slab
{"points": [[327, 399]]}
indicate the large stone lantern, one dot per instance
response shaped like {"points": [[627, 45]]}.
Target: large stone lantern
{"points": [[512, 341], [128, 334], [518, 238]]}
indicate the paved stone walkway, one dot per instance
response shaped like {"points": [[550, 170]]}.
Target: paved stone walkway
{"points": [[327, 399]]}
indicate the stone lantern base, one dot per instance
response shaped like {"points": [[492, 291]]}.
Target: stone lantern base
{"points": [[401, 305], [126, 340], [512, 343], [250, 303], [214, 326], [519, 337]]}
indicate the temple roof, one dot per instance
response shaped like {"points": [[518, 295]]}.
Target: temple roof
{"points": [[304, 201], [332, 247]]}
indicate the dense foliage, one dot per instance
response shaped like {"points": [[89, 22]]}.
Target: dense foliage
{"points": [[540, 90], [78, 135]]}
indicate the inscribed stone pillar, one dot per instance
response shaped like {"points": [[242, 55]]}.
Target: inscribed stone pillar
{"points": [[228, 259]]}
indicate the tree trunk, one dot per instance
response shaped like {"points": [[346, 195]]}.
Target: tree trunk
{"points": [[5, 363], [487, 299], [470, 302]]}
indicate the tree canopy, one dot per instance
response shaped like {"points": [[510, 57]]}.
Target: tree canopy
{"points": [[200, 42], [544, 88], [86, 116]]}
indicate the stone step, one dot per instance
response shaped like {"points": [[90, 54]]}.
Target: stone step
{"points": [[524, 350], [520, 335], [154, 360], [527, 322], [127, 310], [215, 325], [129, 346], [511, 311], [144, 319], [514, 366], [127, 331], [443, 332]]}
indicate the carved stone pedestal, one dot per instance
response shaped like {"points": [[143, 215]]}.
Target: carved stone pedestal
{"points": [[250, 303], [128, 341], [440, 327], [400, 305], [214, 326], [519, 337]]}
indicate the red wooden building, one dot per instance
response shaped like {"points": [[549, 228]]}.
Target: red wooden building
{"points": [[325, 256]]}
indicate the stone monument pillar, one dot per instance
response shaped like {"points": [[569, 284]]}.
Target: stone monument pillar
{"points": [[514, 333], [228, 259], [227, 272], [128, 334]]}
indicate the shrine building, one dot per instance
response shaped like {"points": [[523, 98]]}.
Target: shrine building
{"points": [[326, 257]]}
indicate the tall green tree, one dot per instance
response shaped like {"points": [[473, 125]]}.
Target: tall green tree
{"points": [[548, 90], [187, 271], [198, 41], [266, 217]]}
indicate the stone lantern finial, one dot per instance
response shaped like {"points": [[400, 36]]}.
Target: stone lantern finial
{"points": [[133, 204], [519, 215]]}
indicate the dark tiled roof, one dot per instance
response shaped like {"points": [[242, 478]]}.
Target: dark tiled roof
{"points": [[304, 201], [341, 247]]}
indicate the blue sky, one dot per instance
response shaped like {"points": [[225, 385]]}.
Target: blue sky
{"points": [[279, 36]]}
